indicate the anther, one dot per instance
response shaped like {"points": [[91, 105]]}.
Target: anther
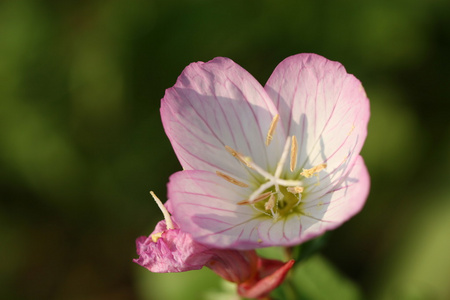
{"points": [[270, 204], [273, 126], [247, 161], [231, 179], [238, 155], [257, 199], [295, 189], [310, 172], [294, 151]]}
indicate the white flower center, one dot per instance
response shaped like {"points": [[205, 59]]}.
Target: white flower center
{"points": [[275, 197]]}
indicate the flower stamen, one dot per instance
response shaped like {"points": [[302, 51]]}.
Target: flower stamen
{"points": [[231, 179], [256, 194], [273, 190], [248, 162], [239, 156], [295, 189], [294, 152], [269, 205], [310, 172], [256, 199], [273, 126]]}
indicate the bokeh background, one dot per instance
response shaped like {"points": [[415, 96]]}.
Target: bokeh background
{"points": [[81, 141]]}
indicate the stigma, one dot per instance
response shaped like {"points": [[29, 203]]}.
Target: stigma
{"points": [[273, 195]]}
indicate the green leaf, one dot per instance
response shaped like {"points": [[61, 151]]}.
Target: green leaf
{"points": [[317, 279]]}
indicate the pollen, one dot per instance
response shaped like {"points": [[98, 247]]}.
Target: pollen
{"points": [[239, 156], [294, 152], [314, 170], [231, 179], [156, 236], [273, 126]]}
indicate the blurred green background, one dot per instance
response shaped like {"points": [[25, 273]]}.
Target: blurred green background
{"points": [[81, 140]]}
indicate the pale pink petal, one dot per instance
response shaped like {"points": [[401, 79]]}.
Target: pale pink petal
{"points": [[324, 107], [320, 212], [205, 206], [285, 231], [337, 205], [217, 104]]}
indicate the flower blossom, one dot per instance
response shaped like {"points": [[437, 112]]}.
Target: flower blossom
{"points": [[169, 249], [266, 166]]}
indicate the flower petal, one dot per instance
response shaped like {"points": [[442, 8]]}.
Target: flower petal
{"points": [[337, 205], [273, 273], [217, 104], [205, 205], [323, 212], [174, 251], [324, 107], [233, 265], [284, 232]]}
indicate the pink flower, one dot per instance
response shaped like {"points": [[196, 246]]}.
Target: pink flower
{"points": [[169, 249], [265, 166]]}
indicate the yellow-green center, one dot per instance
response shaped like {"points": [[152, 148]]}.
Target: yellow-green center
{"points": [[285, 203]]}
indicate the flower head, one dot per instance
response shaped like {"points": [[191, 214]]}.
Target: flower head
{"points": [[265, 166]]}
